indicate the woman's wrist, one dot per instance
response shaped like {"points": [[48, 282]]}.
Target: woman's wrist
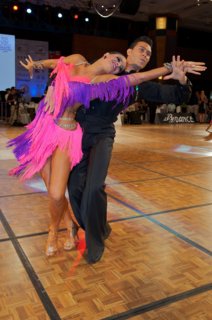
{"points": [[38, 65]]}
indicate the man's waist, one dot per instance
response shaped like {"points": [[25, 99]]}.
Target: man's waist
{"points": [[97, 128], [98, 122]]}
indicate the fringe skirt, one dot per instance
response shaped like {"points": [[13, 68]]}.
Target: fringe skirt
{"points": [[40, 140]]}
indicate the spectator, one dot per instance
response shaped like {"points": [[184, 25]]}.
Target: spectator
{"points": [[202, 102]]}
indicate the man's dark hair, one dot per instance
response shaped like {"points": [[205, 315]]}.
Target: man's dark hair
{"points": [[115, 52], [143, 39]]}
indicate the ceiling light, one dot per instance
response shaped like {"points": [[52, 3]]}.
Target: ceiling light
{"points": [[15, 7], [161, 23]]}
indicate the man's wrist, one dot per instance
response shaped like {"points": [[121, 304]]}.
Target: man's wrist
{"points": [[185, 82], [168, 66]]}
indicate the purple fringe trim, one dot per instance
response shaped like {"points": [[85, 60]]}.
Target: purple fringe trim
{"points": [[117, 89]]}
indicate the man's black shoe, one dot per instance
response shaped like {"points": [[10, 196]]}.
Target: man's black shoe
{"points": [[108, 232], [91, 259]]}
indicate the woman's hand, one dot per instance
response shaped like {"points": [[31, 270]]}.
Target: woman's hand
{"points": [[28, 65], [194, 67], [31, 64]]}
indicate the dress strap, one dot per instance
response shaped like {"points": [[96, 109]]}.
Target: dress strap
{"points": [[92, 80]]}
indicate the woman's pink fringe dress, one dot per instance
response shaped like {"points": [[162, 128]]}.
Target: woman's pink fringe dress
{"points": [[43, 135]]}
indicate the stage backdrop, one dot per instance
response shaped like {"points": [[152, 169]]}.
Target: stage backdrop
{"points": [[38, 50], [7, 61]]}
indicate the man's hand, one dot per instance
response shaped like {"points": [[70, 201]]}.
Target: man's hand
{"points": [[181, 67]]}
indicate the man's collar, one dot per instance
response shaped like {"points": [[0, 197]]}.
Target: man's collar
{"points": [[132, 68], [130, 71]]}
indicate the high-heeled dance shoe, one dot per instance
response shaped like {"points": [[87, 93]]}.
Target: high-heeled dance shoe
{"points": [[71, 237], [51, 245]]}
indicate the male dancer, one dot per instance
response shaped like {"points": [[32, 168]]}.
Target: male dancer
{"points": [[86, 183]]}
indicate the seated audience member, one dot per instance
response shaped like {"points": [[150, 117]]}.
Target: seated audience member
{"points": [[171, 108], [178, 109], [184, 108]]}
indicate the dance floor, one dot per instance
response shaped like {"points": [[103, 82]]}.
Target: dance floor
{"points": [[157, 262]]}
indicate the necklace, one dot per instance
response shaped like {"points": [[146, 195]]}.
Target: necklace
{"points": [[82, 62]]}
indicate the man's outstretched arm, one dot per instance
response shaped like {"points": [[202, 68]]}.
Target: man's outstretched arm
{"points": [[164, 93]]}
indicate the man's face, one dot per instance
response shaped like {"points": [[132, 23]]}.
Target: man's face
{"points": [[140, 55]]}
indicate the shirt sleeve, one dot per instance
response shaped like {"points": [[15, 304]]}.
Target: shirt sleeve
{"points": [[163, 93]]}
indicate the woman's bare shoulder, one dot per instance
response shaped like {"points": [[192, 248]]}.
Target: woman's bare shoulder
{"points": [[75, 59]]}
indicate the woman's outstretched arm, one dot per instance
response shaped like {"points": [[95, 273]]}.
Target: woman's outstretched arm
{"points": [[110, 87], [31, 64], [176, 70]]}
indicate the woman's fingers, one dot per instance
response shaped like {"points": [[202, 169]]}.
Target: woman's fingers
{"points": [[23, 64], [28, 66]]}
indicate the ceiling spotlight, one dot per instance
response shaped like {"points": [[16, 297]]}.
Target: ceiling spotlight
{"points": [[59, 15], [15, 7]]}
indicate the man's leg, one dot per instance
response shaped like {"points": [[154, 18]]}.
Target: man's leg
{"points": [[94, 199], [76, 185]]}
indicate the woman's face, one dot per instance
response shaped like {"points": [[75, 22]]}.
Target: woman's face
{"points": [[115, 62]]}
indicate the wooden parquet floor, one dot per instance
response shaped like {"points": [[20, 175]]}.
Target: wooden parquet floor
{"points": [[157, 262]]}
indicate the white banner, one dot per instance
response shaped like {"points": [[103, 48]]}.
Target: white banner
{"points": [[38, 50], [7, 61]]}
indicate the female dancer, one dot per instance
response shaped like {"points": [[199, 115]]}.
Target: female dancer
{"points": [[51, 144]]}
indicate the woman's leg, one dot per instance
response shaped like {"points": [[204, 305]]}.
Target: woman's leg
{"points": [[46, 173], [60, 168], [51, 245]]}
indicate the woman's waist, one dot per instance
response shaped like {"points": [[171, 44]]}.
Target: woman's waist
{"points": [[67, 121]]}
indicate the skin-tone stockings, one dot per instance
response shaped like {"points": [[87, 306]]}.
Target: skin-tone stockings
{"points": [[55, 175]]}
